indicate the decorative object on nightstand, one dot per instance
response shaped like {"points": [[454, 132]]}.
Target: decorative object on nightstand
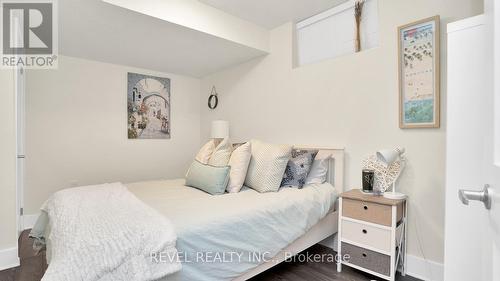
{"points": [[388, 165], [372, 234], [368, 178]]}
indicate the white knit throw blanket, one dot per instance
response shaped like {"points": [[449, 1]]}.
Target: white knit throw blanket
{"points": [[104, 232]]}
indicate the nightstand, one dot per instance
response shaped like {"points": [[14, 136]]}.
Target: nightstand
{"points": [[372, 234]]}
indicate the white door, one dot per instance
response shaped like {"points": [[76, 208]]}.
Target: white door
{"points": [[472, 232]]}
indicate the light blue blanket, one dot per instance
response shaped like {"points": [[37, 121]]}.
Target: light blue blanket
{"points": [[221, 237]]}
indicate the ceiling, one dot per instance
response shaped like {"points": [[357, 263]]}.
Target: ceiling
{"points": [[272, 13], [95, 30]]}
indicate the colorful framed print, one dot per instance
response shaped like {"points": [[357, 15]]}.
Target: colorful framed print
{"points": [[419, 74], [148, 106]]}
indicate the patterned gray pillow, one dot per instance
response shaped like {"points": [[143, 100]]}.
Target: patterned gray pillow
{"points": [[298, 167]]}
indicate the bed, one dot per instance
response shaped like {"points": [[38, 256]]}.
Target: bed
{"points": [[237, 236]]}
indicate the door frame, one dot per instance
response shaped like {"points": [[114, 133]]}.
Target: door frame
{"points": [[495, 12], [19, 116], [20, 98]]}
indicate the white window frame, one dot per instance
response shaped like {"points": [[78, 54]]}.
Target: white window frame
{"points": [[326, 14], [350, 4]]}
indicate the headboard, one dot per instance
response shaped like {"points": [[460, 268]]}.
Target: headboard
{"points": [[335, 174]]}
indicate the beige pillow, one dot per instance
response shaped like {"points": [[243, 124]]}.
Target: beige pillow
{"points": [[239, 161], [205, 152], [267, 166], [221, 155]]}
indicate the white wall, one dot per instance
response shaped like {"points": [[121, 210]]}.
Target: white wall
{"points": [[350, 102], [76, 129], [8, 229]]}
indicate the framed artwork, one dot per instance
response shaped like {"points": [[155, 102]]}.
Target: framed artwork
{"points": [[148, 106], [419, 79]]}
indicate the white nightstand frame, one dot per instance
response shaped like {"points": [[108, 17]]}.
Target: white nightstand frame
{"points": [[398, 259]]}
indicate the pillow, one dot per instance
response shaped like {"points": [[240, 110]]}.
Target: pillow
{"points": [[267, 166], [238, 144], [205, 152], [298, 168], [221, 154], [319, 168], [239, 161], [208, 178]]}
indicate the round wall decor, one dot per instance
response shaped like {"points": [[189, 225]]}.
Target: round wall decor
{"points": [[213, 100]]}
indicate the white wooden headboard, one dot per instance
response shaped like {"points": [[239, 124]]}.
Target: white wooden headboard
{"points": [[335, 174]]}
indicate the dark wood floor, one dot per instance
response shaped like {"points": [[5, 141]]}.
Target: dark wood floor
{"points": [[33, 266]]}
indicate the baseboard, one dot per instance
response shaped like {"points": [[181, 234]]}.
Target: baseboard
{"points": [[9, 258], [29, 220], [426, 270], [417, 267]]}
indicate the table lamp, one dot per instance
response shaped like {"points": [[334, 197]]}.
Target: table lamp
{"points": [[220, 130], [389, 157]]}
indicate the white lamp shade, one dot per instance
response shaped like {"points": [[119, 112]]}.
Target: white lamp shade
{"points": [[220, 129], [388, 156]]}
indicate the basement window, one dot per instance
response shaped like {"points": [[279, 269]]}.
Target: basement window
{"points": [[332, 33]]}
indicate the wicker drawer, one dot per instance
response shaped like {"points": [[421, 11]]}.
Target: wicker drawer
{"points": [[368, 235], [370, 212], [371, 260]]}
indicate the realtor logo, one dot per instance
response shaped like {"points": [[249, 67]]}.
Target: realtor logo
{"points": [[29, 34]]}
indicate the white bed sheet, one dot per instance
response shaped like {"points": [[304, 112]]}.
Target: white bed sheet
{"points": [[221, 237]]}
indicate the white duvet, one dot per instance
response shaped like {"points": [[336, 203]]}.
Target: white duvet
{"points": [[221, 237], [104, 232]]}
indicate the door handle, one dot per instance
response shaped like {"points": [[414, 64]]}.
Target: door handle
{"points": [[471, 195]]}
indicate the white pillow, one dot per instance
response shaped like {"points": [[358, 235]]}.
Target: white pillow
{"points": [[319, 168], [239, 161], [205, 152], [267, 166], [220, 157]]}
